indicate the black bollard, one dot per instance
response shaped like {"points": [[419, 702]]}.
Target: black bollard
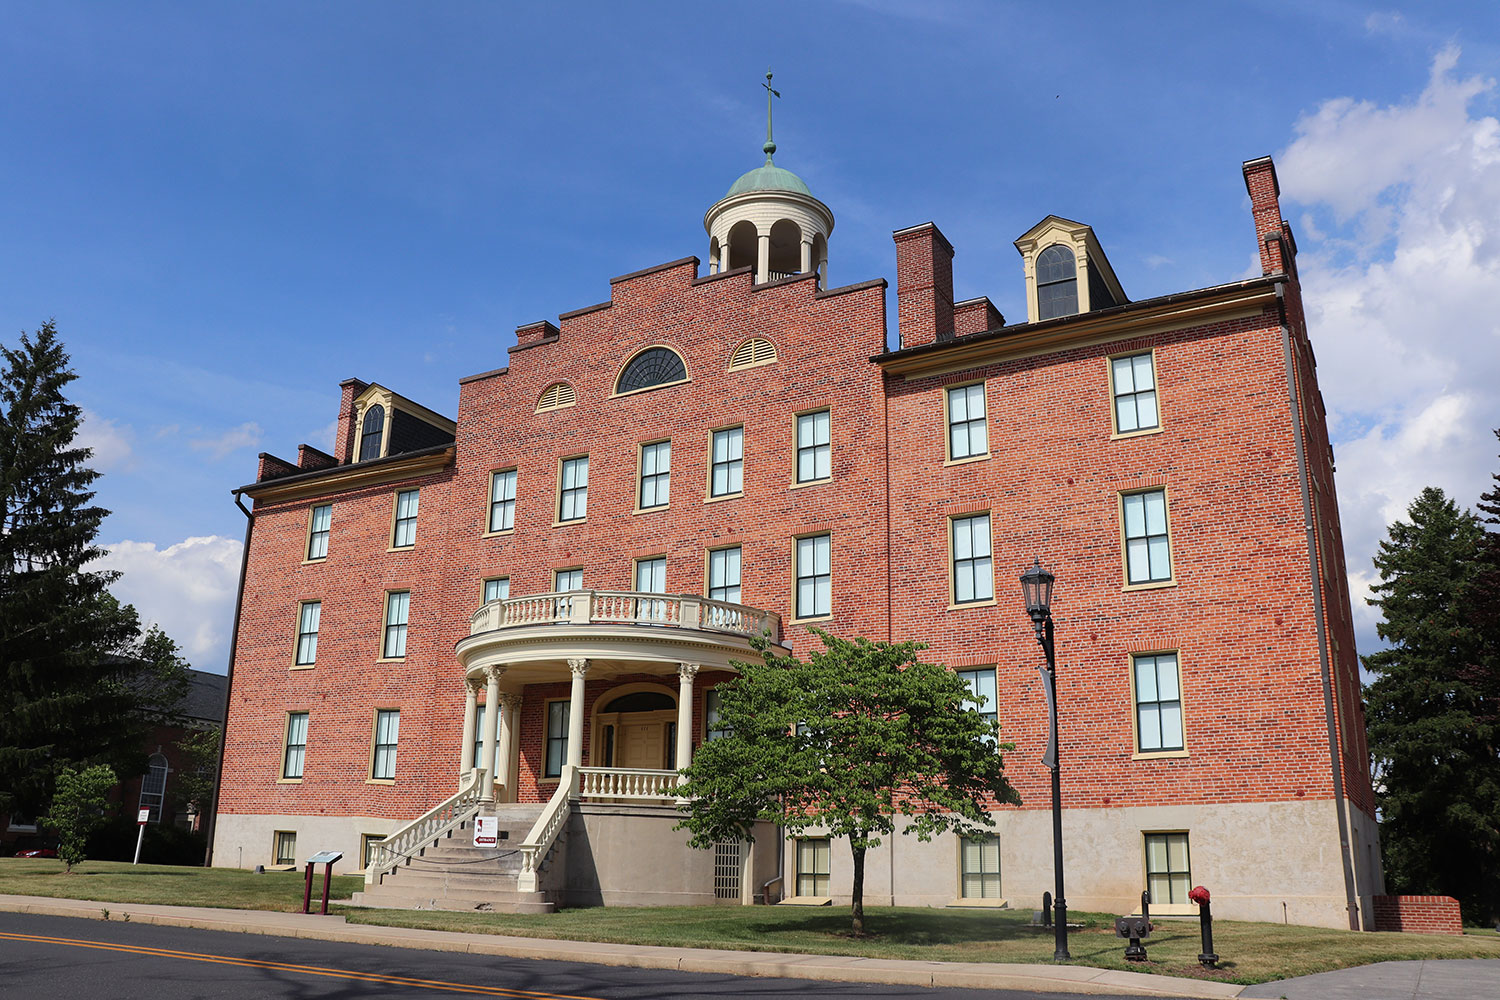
{"points": [[1046, 909], [1206, 957], [1146, 905]]}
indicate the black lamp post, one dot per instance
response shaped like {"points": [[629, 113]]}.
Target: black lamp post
{"points": [[1036, 587]]}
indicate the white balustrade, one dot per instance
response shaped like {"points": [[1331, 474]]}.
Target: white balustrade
{"points": [[447, 815], [588, 607], [627, 783], [544, 832]]}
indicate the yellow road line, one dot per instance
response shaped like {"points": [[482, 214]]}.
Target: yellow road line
{"points": [[311, 970]]}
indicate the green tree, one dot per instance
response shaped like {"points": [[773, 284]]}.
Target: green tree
{"points": [[1432, 733], [195, 782], [78, 809], [81, 684], [845, 741]]}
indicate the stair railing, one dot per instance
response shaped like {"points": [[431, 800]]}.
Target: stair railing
{"points": [[544, 832], [440, 819]]}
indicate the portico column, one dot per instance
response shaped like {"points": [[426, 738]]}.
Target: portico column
{"points": [[508, 702], [491, 704], [685, 674], [580, 670], [466, 749], [763, 257]]}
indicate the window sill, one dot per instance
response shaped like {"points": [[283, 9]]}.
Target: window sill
{"points": [[724, 496], [1122, 435], [281, 868], [314, 562], [1161, 755], [979, 904], [1154, 585], [648, 388], [564, 524], [1172, 910], [812, 618], [497, 534], [380, 781], [288, 781], [401, 548], [811, 482], [391, 659], [652, 510], [966, 461], [302, 666], [990, 603]]}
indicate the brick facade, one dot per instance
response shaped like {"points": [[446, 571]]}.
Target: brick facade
{"points": [[1256, 608], [1418, 914]]}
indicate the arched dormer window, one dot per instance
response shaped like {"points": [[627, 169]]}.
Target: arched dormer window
{"points": [[652, 367], [555, 397], [371, 432], [1056, 282]]}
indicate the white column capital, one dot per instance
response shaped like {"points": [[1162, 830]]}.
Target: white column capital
{"points": [[474, 685], [687, 671], [495, 671], [510, 700], [579, 667]]}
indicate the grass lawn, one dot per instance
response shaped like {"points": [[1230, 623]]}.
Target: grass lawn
{"points": [[1251, 953], [118, 882]]}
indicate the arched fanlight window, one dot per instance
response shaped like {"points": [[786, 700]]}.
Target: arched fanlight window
{"points": [[641, 701], [1056, 282], [555, 397], [755, 351], [653, 366], [154, 787], [370, 433]]}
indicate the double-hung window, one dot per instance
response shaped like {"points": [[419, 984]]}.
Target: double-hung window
{"points": [[980, 868], [727, 462], [1134, 385], [502, 500], [651, 578], [973, 573], [724, 575], [564, 580], [286, 847], [496, 589], [967, 434], [814, 561], [557, 738], [295, 753], [405, 534], [1148, 553], [573, 489], [1158, 703], [308, 615], [1168, 873], [814, 450], [479, 714], [397, 605], [713, 729], [982, 695], [387, 734], [318, 524], [656, 474], [812, 866]]}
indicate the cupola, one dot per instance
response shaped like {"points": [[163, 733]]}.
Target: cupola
{"points": [[770, 221]]}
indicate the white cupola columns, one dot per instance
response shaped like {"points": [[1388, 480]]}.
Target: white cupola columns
{"points": [[779, 233]]}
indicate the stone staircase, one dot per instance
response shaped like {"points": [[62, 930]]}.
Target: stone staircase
{"points": [[449, 873]]}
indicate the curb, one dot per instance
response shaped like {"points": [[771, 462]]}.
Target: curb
{"points": [[826, 968]]}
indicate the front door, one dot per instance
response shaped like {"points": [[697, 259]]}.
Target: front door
{"points": [[640, 745]]}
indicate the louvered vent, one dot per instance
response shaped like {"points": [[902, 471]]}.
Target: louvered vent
{"points": [[755, 351], [556, 396]]}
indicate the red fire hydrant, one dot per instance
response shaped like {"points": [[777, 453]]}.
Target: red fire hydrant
{"points": [[1206, 957]]}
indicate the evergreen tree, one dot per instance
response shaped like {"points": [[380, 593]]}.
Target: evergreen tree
{"points": [[1432, 733], [844, 742], [78, 677]]}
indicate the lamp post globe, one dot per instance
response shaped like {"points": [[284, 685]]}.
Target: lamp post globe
{"points": [[1036, 590]]}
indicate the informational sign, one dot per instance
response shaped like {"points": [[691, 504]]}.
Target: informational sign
{"points": [[143, 817], [486, 831]]}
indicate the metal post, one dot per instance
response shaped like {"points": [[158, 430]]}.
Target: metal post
{"points": [[1206, 925], [327, 877], [1060, 919], [307, 893]]}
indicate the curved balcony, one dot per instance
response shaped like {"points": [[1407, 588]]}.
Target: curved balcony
{"points": [[617, 631]]}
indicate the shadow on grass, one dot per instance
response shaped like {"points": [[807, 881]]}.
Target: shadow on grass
{"points": [[904, 928]]}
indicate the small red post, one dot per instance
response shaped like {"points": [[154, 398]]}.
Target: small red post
{"points": [[307, 895], [327, 876]]}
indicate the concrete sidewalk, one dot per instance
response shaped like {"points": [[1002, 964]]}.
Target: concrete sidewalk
{"points": [[963, 975]]}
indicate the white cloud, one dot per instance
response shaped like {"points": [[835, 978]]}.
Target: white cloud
{"points": [[112, 443], [1401, 264], [246, 435], [187, 588]]}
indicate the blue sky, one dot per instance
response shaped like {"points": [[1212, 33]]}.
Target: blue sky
{"points": [[230, 208]]}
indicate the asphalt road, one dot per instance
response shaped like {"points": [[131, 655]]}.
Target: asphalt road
{"points": [[43, 957]]}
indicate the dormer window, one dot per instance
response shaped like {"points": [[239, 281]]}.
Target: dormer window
{"points": [[1056, 282], [371, 433]]}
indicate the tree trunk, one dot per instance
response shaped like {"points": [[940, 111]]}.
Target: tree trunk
{"points": [[859, 890]]}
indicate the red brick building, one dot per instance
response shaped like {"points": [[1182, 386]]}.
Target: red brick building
{"points": [[654, 478]]}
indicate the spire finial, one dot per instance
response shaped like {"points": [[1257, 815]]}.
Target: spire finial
{"points": [[770, 146]]}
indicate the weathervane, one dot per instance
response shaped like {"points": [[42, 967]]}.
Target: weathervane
{"points": [[770, 146]]}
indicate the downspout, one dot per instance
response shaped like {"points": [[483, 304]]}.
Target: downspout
{"points": [[239, 603], [1314, 568]]}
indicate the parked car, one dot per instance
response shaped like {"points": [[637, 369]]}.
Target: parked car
{"points": [[38, 852]]}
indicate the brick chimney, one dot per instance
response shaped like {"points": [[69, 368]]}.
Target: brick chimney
{"points": [[1272, 234], [343, 445], [924, 285]]}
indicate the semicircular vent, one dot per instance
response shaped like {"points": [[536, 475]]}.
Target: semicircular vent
{"points": [[755, 351], [556, 396]]}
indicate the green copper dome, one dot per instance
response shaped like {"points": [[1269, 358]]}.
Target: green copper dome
{"points": [[769, 178]]}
